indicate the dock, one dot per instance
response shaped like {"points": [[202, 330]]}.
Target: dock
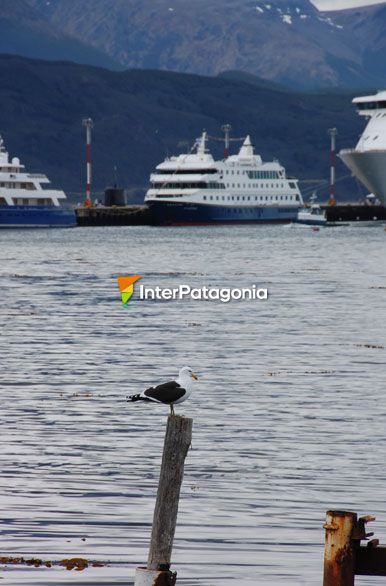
{"points": [[130, 215], [355, 213]]}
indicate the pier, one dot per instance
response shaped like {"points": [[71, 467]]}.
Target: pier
{"points": [[355, 213], [131, 215]]}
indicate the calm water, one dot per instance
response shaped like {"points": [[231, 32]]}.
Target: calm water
{"points": [[289, 417]]}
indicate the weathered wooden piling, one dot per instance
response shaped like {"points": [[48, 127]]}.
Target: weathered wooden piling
{"points": [[344, 556], [178, 438]]}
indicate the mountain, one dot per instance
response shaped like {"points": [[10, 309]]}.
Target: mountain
{"points": [[142, 116], [25, 31], [286, 41], [367, 28]]}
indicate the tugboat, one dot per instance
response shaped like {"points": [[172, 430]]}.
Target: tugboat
{"points": [[196, 189], [24, 203]]}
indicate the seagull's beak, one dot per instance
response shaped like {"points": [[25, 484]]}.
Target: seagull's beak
{"points": [[194, 376]]}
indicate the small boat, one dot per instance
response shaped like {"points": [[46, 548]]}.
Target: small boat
{"points": [[24, 203], [313, 215]]}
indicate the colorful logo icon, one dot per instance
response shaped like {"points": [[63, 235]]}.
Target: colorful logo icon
{"points": [[126, 286]]}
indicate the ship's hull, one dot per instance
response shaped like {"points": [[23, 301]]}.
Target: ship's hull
{"points": [[182, 213], [370, 168], [311, 221], [36, 217]]}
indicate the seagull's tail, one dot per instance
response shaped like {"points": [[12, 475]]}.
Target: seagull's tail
{"points": [[137, 397]]}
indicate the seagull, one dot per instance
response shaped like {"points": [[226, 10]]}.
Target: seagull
{"points": [[171, 393]]}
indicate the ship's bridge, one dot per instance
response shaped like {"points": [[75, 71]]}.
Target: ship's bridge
{"points": [[367, 105], [5, 166]]}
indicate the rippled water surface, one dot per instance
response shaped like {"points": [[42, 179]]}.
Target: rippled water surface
{"points": [[289, 416]]}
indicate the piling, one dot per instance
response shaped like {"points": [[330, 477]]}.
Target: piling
{"points": [[344, 556], [339, 562], [178, 438]]}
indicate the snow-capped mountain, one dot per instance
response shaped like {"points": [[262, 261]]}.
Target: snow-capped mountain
{"points": [[288, 41]]}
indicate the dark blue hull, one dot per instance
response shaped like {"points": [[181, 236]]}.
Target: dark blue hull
{"points": [[179, 213], [36, 217]]}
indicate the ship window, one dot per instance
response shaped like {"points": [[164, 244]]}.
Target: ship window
{"points": [[372, 105], [204, 197], [186, 171], [375, 137]]}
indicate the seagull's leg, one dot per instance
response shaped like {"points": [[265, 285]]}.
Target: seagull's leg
{"points": [[171, 409]]}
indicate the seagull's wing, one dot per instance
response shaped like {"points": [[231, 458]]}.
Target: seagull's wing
{"points": [[165, 393]]}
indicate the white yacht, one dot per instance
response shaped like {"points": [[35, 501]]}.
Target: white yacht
{"points": [[368, 160], [196, 189], [24, 203]]}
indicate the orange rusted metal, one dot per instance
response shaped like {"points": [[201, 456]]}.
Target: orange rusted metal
{"points": [[344, 557], [339, 558]]}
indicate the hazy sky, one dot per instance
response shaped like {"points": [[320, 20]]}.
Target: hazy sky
{"points": [[337, 4]]}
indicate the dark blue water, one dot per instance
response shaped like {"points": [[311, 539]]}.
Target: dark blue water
{"points": [[289, 416]]}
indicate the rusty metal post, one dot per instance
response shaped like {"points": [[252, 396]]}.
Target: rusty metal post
{"points": [[339, 555]]}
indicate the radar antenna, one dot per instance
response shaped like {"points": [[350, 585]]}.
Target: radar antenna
{"points": [[226, 128]]}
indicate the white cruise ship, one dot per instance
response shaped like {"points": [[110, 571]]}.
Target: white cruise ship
{"points": [[196, 189], [368, 160], [24, 203]]}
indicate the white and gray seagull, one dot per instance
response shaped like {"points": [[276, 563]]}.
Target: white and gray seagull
{"points": [[170, 393]]}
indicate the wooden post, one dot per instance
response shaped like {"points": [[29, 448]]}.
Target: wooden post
{"points": [[178, 438], [177, 441], [339, 556]]}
